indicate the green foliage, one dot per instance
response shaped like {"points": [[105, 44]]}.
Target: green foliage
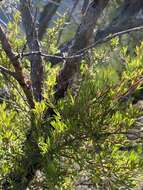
{"points": [[90, 129], [12, 127]]}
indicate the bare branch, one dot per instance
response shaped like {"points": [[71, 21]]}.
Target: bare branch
{"points": [[84, 6], [48, 56], [126, 17], [46, 16], [82, 52], [69, 16], [109, 37], [6, 71], [17, 66]]}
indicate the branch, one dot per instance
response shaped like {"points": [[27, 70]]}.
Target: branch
{"points": [[33, 44], [68, 18], [17, 66], [82, 52], [46, 16], [125, 18], [110, 37], [48, 56], [6, 71], [53, 59], [82, 39], [115, 29], [84, 6]]}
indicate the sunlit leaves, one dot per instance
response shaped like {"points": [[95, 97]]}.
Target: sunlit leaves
{"points": [[15, 32], [11, 136], [87, 134]]}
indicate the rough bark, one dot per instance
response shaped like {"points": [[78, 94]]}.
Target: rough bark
{"points": [[18, 75], [82, 39], [33, 44]]}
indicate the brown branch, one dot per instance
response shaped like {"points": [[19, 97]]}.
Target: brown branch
{"points": [[111, 30], [33, 44], [108, 38], [46, 16], [125, 18], [82, 40], [17, 66], [82, 52]]}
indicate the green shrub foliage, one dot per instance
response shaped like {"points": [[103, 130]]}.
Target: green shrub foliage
{"points": [[89, 144]]}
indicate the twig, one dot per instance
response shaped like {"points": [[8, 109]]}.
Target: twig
{"points": [[27, 54], [6, 71], [110, 37], [83, 51]]}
